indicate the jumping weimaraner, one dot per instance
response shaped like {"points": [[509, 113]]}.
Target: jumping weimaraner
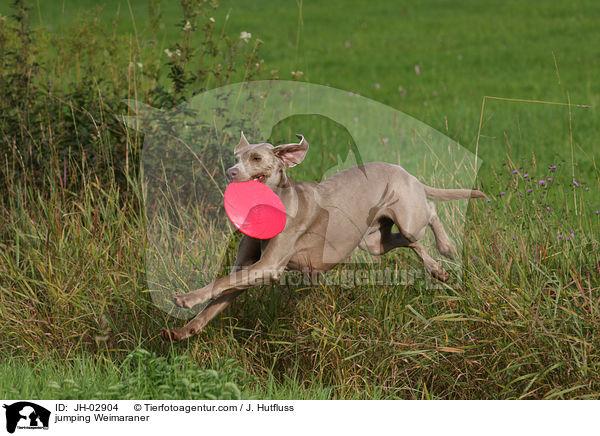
{"points": [[325, 222]]}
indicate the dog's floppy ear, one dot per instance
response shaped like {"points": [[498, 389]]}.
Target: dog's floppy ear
{"points": [[242, 144], [292, 154]]}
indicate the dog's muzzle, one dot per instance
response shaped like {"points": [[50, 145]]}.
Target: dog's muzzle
{"points": [[232, 173]]}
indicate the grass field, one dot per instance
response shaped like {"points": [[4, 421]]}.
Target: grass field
{"points": [[75, 315]]}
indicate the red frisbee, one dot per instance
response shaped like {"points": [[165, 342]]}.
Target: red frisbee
{"points": [[254, 209]]}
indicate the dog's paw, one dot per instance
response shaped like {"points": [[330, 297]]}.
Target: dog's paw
{"points": [[170, 335], [449, 251], [441, 274], [183, 300]]}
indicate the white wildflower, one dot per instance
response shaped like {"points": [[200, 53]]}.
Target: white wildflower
{"points": [[211, 19], [187, 27], [245, 36], [168, 52]]}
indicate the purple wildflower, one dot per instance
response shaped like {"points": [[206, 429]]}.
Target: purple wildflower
{"points": [[515, 172], [488, 201], [560, 236], [520, 210], [549, 179], [475, 258], [521, 195], [529, 191], [575, 182], [587, 189], [542, 182], [552, 167], [525, 176], [572, 234], [598, 212], [502, 193], [514, 238], [547, 207]]}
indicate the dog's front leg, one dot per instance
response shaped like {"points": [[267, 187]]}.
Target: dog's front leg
{"points": [[270, 266], [223, 291], [248, 253], [199, 321], [258, 273]]}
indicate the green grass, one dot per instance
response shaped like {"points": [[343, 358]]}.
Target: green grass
{"points": [[464, 52], [141, 375], [144, 375], [524, 324]]}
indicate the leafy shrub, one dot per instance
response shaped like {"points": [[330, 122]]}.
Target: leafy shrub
{"points": [[157, 377], [59, 93], [142, 375]]}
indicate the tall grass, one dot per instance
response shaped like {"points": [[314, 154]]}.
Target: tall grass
{"points": [[74, 303], [73, 231]]}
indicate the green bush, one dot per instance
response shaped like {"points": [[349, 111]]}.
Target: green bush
{"points": [[142, 375], [59, 93]]}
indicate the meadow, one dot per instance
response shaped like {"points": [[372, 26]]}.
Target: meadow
{"points": [[76, 317]]}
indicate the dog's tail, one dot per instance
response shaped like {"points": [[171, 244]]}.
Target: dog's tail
{"points": [[451, 194]]}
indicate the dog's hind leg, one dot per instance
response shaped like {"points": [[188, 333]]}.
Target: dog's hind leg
{"points": [[433, 267], [380, 240], [444, 245], [412, 228], [383, 240]]}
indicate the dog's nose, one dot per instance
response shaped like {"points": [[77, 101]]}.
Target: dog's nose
{"points": [[232, 173]]}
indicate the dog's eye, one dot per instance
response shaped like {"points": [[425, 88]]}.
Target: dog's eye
{"points": [[256, 158]]}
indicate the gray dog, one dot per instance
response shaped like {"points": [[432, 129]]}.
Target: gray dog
{"points": [[325, 222]]}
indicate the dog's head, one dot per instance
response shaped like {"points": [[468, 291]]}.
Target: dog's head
{"points": [[264, 162]]}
